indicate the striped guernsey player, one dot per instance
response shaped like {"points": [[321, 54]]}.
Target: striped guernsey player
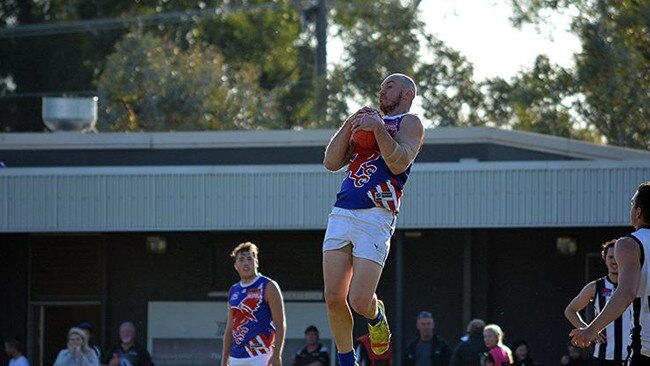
{"points": [[612, 351], [632, 255]]}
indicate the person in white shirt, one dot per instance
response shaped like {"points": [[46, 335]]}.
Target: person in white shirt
{"points": [[12, 348]]}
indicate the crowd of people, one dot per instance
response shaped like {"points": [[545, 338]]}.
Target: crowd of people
{"points": [[80, 350], [482, 345]]}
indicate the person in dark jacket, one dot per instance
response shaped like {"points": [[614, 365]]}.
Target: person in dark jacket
{"points": [[429, 349], [314, 353], [468, 352], [522, 354]]}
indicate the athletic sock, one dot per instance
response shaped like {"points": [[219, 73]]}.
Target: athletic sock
{"points": [[347, 359], [376, 321]]}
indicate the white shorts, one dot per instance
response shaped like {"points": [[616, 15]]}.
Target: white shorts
{"points": [[260, 360], [368, 230]]}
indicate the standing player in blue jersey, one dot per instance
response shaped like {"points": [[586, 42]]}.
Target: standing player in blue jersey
{"points": [[362, 220], [255, 327]]}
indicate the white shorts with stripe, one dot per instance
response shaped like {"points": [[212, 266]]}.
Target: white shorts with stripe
{"points": [[261, 360], [368, 230]]}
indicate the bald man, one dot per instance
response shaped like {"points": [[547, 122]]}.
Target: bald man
{"points": [[362, 220]]}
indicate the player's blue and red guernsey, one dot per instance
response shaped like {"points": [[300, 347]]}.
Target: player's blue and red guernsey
{"points": [[252, 325], [368, 182]]}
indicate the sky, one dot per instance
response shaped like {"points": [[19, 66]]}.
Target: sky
{"points": [[481, 30]]}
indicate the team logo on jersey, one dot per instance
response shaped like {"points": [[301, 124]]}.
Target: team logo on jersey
{"points": [[386, 195], [245, 312], [606, 291], [361, 168]]}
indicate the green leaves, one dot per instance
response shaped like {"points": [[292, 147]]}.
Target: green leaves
{"points": [[611, 80], [250, 64], [150, 84]]}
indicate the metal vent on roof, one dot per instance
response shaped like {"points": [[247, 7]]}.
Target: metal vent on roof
{"points": [[70, 114]]}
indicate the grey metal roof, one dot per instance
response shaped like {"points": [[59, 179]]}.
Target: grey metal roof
{"points": [[279, 197], [290, 138]]}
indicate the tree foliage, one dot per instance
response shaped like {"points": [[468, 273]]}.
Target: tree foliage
{"points": [[150, 84], [537, 100], [388, 36], [251, 65], [612, 83], [449, 94]]}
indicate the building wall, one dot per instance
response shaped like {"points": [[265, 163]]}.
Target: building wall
{"points": [[518, 279], [290, 197]]}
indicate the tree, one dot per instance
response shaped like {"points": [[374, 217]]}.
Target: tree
{"points": [[382, 37], [537, 100], [379, 38], [612, 82], [151, 84], [450, 96], [259, 50], [61, 63]]}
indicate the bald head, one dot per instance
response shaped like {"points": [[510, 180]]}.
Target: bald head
{"points": [[396, 94], [405, 82]]}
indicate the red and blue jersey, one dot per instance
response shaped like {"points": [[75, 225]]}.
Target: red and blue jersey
{"points": [[252, 324], [368, 182]]}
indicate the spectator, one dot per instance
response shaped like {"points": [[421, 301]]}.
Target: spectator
{"points": [[576, 357], [88, 329], [366, 357], [314, 353], [469, 351], [493, 337], [522, 354], [128, 352], [429, 348], [77, 353], [12, 348]]}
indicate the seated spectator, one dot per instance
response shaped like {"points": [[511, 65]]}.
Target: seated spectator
{"points": [[128, 351], [522, 354], [12, 349], [314, 353], [469, 351], [77, 353]]}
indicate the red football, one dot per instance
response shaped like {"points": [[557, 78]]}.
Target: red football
{"points": [[365, 139]]}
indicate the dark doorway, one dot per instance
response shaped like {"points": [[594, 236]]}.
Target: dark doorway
{"points": [[52, 322], [66, 282]]}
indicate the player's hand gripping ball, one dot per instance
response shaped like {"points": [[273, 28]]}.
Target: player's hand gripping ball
{"points": [[365, 139]]}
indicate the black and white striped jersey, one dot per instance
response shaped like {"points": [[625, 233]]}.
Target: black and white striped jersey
{"points": [[640, 307], [617, 333]]}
